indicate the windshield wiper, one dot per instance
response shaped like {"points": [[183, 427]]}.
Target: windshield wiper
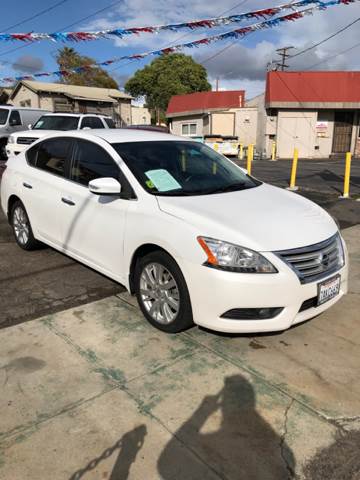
{"points": [[232, 187], [206, 191]]}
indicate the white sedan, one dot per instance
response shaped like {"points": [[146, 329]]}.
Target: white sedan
{"points": [[189, 232]]}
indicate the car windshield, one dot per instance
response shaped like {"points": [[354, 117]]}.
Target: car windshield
{"points": [[4, 112], [56, 122], [181, 168]]}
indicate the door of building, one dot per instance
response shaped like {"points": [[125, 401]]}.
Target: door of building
{"points": [[343, 132], [295, 132]]}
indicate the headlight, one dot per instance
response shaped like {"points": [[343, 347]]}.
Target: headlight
{"points": [[11, 139], [230, 257]]}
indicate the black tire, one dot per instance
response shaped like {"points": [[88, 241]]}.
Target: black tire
{"points": [[27, 242], [3, 155], [183, 318]]}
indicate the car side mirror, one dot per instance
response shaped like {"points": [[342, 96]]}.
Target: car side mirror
{"points": [[105, 186], [30, 126]]}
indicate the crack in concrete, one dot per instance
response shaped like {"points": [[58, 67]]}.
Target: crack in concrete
{"points": [[291, 473], [276, 387]]}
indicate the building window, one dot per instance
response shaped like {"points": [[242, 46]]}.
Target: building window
{"points": [[188, 129], [25, 103]]}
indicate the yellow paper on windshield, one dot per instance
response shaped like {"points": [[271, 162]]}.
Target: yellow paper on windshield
{"points": [[162, 180]]}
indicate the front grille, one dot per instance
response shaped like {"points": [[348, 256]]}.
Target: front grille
{"points": [[26, 140], [315, 261]]}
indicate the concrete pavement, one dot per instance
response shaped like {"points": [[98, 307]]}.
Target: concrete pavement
{"points": [[94, 392]]}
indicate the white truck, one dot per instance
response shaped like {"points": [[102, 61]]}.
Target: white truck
{"points": [[51, 122]]}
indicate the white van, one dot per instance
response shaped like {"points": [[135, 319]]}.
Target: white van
{"points": [[13, 119]]}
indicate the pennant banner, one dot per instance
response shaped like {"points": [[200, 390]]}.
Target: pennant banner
{"points": [[233, 34], [192, 25]]}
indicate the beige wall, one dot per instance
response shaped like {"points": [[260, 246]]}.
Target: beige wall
{"points": [[246, 124], [177, 122], [123, 111], [140, 116], [24, 94], [299, 129], [222, 123]]}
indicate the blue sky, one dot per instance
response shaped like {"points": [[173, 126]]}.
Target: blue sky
{"points": [[241, 66]]}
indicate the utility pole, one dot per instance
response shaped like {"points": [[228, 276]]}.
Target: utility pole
{"points": [[217, 84], [283, 53]]}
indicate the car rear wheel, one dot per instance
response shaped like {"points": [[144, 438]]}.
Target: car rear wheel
{"points": [[162, 293], [21, 227], [3, 155]]}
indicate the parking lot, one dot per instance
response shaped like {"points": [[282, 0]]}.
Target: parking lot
{"points": [[90, 390]]}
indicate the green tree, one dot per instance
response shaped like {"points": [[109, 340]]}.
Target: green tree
{"points": [[68, 58], [168, 75]]}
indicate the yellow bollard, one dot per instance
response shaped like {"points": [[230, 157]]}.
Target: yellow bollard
{"points": [[250, 156], [293, 170], [347, 176], [241, 151], [273, 151]]}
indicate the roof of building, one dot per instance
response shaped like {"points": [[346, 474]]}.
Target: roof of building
{"points": [[313, 89], [199, 102], [74, 91]]}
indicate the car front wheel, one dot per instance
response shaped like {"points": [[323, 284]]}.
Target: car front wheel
{"points": [[162, 293], [21, 227]]}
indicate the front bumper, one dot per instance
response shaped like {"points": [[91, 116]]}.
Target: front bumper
{"points": [[213, 292]]}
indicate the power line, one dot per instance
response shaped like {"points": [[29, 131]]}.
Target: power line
{"points": [[36, 15], [325, 39], [67, 26], [333, 56]]}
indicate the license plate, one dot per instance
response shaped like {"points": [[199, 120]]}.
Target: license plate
{"points": [[328, 289]]}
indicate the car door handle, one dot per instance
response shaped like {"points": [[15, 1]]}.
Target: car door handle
{"points": [[67, 201], [27, 185]]}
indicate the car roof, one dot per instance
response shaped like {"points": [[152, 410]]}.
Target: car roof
{"points": [[59, 114], [14, 107], [121, 135]]}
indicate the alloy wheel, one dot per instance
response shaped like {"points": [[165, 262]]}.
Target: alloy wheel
{"points": [[21, 225], [159, 293]]}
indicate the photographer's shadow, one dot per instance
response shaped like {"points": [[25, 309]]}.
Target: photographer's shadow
{"points": [[243, 447]]}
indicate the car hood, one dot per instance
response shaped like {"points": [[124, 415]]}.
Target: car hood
{"points": [[264, 218], [34, 133]]}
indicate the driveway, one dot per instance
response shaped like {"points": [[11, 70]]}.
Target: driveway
{"points": [[94, 392], [43, 281]]}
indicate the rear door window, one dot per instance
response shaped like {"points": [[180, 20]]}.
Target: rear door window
{"points": [[92, 122], [4, 112], [51, 156]]}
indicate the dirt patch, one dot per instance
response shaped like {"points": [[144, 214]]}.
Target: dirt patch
{"points": [[339, 461]]}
